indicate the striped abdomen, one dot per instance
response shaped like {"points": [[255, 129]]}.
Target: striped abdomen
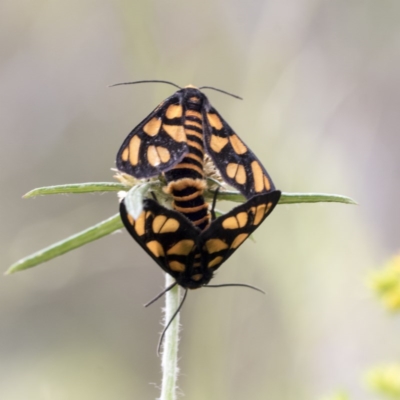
{"points": [[186, 180]]}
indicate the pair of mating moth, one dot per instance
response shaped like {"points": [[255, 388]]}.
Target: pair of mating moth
{"points": [[189, 242]]}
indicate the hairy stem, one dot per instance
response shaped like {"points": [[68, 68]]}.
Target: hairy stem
{"points": [[169, 362]]}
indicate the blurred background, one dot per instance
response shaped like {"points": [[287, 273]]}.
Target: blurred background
{"points": [[321, 86]]}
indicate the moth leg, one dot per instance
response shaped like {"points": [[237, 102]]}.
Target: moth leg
{"points": [[213, 216], [153, 195]]}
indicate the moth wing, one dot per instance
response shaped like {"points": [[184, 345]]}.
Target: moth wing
{"points": [[167, 236], [237, 164], [226, 233], [157, 143]]}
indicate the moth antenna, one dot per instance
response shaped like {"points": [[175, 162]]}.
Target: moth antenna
{"points": [[236, 284], [170, 321], [222, 91], [161, 294], [147, 81]]}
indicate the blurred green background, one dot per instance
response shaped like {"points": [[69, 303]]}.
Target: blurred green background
{"points": [[321, 86]]}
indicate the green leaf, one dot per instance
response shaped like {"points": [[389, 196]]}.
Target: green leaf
{"points": [[76, 188], [293, 198], [287, 198], [57, 249]]}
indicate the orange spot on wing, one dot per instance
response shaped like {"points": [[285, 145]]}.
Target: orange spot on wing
{"points": [[230, 223], [152, 156], [214, 245], [140, 224], [242, 219], [125, 154], [237, 172], [158, 222], [214, 121], [177, 266], [215, 261], [258, 176], [130, 219], [237, 144], [218, 143], [239, 239], [172, 225], [176, 132], [267, 183], [134, 146], [163, 153], [183, 247], [259, 214], [156, 248], [231, 169], [152, 127], [174, 111], [241, 175]]}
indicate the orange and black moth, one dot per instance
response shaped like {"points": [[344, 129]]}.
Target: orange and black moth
{"points": [[173, 138], [172, 141], [188, 254]]}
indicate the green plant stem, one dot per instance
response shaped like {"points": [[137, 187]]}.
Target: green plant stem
{"points": [[169, 362], [137, 193], [286, 198], [79, 239]]}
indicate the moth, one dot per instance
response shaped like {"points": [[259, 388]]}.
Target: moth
{"points": [[173, 137], [185, 252], [172, 140]]}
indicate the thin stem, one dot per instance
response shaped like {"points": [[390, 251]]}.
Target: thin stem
{"points": [[286, 198], [169, 363], [134, 202]]}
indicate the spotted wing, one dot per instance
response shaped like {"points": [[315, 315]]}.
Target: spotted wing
{"points": [[157, 143], [225, 234], [166, 235], [236, 162]]}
